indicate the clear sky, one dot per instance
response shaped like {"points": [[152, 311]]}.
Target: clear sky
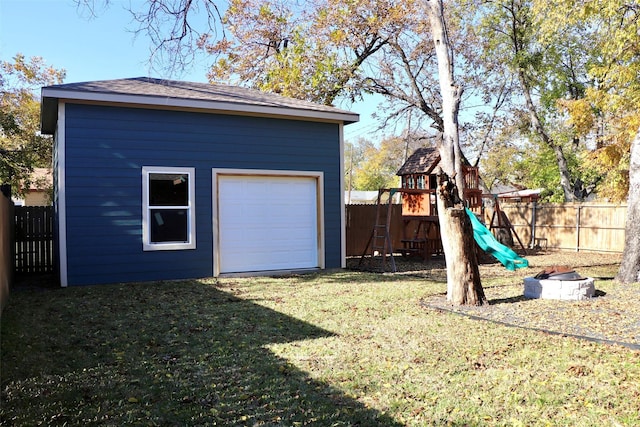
{"points": [[103, 47], [89, 49]]}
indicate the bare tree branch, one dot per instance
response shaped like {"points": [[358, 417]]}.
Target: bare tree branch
{"points": [[175, 28]]}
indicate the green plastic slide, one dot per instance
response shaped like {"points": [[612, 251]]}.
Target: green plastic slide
{"points": [[488, 243]]}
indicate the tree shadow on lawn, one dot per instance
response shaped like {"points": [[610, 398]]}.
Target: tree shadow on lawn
{"points": [[343, 276], [176, 353]]}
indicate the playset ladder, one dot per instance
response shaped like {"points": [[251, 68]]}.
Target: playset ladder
{"points": [[380, 239]]}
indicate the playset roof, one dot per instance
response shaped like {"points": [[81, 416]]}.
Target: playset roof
{"points": [[423, 160]]}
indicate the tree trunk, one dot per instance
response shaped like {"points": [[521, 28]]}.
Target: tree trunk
{"points": [[463, 276], [565, 179], [630, 267], [456, 231]]}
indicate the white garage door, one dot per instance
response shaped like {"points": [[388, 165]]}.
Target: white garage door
{"points": [[267, 223]]}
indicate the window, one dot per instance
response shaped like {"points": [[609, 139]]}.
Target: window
{"points": [[408, 181], [168, 217]]}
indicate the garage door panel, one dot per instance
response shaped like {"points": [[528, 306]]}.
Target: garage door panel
{"points": [[260, 261], [267, 223]]}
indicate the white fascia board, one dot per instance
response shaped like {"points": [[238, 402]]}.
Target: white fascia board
{"points": [[217, 106]]}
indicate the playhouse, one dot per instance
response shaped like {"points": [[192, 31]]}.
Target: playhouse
{"points": [[421, 233]]}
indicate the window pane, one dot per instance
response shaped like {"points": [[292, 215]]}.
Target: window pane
{"points": [[169, 225], [168, 189]]}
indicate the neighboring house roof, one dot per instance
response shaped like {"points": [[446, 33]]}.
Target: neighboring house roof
{"points": [[152, 92], [361, 197], [423, 160], [504, 188], [530, 193]]}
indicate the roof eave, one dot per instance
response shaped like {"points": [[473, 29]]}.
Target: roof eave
{"points": [[48, 115], [51, 96]]}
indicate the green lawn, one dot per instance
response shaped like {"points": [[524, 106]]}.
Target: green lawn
{"points": [[345, 348]]}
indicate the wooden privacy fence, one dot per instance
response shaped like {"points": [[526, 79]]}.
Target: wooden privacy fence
{"points": [[596, 227], [360, 220], [33, 239]]}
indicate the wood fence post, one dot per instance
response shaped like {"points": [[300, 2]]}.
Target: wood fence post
{"points": [[578, 228], [532, 243]]}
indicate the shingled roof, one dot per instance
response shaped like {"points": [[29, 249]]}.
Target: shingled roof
{"points": [[423, 160], [147, 91]]}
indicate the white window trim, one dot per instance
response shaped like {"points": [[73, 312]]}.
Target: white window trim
{"points": [[147, 245]]}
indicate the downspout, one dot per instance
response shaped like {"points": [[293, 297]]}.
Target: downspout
{"points": [[343, 208]]}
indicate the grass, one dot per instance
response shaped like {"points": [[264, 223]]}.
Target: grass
{"points": [[344, 348]]}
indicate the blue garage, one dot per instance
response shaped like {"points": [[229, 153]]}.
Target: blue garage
{"points": [[158, 179]]}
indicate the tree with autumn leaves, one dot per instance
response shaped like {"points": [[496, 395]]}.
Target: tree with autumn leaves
{"points": [[610, 108], [22, 148]]}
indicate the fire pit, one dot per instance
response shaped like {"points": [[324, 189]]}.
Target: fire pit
{"points": [[559, 283]]}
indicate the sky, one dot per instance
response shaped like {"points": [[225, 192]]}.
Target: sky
{"points": [[104, 47]]}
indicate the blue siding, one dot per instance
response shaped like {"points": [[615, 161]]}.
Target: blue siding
{"points": [[106, 148]]}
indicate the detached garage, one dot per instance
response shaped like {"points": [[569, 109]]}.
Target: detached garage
{"points": [[158, 179]]}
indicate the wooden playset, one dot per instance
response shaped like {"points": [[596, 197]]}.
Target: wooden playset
{"points": [[420, 226]]}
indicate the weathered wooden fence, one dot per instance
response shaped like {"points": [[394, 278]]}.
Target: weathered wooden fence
{"points": [[6, 252], [33, 239], [596, 227]]}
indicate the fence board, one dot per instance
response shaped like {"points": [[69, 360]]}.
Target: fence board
{"points": [[33, 239]]}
